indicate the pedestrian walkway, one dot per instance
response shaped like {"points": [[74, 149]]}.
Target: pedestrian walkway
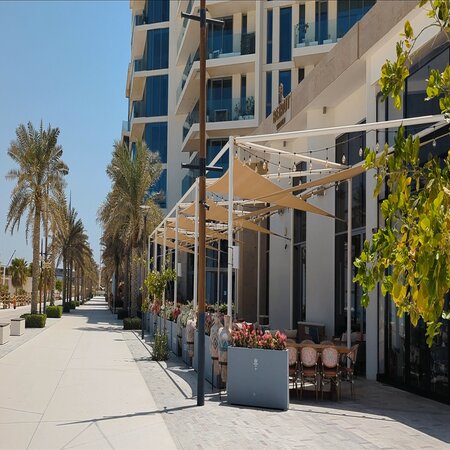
{"points": [[76, 385]]}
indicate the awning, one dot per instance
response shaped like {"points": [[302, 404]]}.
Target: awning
{"points": [[247, 184]]}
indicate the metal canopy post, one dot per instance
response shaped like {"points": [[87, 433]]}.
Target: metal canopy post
{"points": [[175, 287], [163, 260], [230, 228], [218, 273], [349, 263], [155, 251]]}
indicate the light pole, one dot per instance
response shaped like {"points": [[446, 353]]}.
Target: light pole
{"points": [[202, 200], [145, 208]]}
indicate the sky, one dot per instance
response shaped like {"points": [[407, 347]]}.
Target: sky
{"points": [[65, 63]]}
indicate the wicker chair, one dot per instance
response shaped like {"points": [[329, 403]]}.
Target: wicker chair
{"points": [[308, 368], [330, 371], [293, 367], [328, 343], [348, 368], [307, 341]]}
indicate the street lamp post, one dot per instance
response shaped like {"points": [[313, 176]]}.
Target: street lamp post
{"points": [[202, 200]]}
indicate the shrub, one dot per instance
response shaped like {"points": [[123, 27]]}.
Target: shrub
{"points": [[77, 303], [122, 314], [66, 307], [34, 320], [73, 305], [132, 323], [248, 337], [54, 311], [160, 347]]}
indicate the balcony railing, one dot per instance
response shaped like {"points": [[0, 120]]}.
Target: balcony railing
{"points": [[139, 64], [222, 49], [138, 109], [125, 126], [308, 34], [185, 22], [139, 20], [223, 110]]}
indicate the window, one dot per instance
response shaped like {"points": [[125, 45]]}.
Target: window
{"points": [[321, 21], [244, 23], [301, 74], [220, 38], [160, 187], [156, 89], [156, 139], [219, 100], [269, 36], [285, 34], [285, 80], [158, 49], [268, 93], [349, 12], [157, 11]]}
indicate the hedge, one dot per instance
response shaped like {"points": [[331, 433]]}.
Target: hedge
{"points": [[73, 304], [34, 320], [122, 314], [54, 312], [132, 323], [66, 307]]}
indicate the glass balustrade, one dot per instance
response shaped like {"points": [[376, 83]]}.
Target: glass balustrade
{"points": [[308, 34], [222, 110], [184, 25]]}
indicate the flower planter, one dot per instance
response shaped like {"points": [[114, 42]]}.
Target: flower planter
{"points": [[174, 340], [168, 330], [5, 331], [184, 349], [151, 319], [17, 327], [258, 377], [208, 360]]}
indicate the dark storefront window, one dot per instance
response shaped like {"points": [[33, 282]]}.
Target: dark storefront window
{"points": [[408, 361]]}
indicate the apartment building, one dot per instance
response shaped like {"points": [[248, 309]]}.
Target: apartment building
{"points": [[261, 53]]}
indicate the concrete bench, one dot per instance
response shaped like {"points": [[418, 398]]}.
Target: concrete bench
{"points": [[17, 326], [4, 333]]}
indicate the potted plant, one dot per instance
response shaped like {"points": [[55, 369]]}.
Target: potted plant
{"points": [[250, 106], [258, 369]]}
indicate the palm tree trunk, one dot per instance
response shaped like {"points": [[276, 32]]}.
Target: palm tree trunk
{"points": [[126, 300], [116, 286], [134, 282], [64, 280], [35, 272]]}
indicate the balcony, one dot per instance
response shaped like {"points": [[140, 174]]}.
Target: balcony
{"points": [[138, 78], [233, 49], [226, 114], [184, 25], [138, 37]]}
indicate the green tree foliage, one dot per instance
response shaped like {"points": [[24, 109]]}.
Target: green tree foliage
{"points": [[19, 273], [410, 254]]}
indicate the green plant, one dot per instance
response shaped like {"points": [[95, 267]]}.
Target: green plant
{"points": [[34, 320], [122, 313], [54, 311], [156, 282], [66, 307], [58, 285], [132, 323], [145, 307], [160, 347], [77, 303], [73, 304]]}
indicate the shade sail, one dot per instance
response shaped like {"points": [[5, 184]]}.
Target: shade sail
{"points": [[189, 225], [249, 185], [170, 244], [220, 214]]}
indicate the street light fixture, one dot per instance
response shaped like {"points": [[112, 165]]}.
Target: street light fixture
{"points": [[201, 289]]}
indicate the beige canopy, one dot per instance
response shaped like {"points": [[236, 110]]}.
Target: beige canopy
{"points": [[170, 244], [249, 185], [220, 214], [189, 225]]}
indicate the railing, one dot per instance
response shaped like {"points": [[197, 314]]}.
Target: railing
{"points": [[308, 34], [138, 109], [139, 64], [125, 126], [223, 110], [244, 44], [185, 22], [139, 20]]}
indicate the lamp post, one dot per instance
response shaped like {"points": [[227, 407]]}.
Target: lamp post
{"points": [[202, 200], [145, 208]]}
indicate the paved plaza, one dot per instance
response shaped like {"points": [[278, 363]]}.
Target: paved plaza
{"points": [[83, 382]]}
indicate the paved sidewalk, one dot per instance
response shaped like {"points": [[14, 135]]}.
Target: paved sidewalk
{"points": [[76, 385], [380, 417]]}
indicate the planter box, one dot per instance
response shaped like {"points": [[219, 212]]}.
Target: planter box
{"points": [[17, 327], [258, 377], [167, 328], [4, 333], [208, 360], [184, 349], [174, 339]]}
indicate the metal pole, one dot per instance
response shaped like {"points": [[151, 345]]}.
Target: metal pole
{"points": [[148, 253], [175, 287], [202, 212], [155, 253], [196, 249], [349, 263], [218, 273], [258, 269], [230, 228], [143, 277], [163, 260]]}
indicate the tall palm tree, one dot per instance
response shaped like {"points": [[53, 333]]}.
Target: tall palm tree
{"points": [[19, 272], [121, 214], [40, 181]]}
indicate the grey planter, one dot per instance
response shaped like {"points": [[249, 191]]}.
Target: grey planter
{"points": [[208, 360], [258, 377], [173, 342], [184, 351]]}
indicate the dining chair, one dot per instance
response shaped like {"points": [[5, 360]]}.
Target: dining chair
{"points": [[327, 343], [307, 341], [348, 369], [309, 370], [293, 367], [330, 372]]}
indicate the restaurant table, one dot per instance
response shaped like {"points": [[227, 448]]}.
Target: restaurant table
{"points": [[342, 349]]}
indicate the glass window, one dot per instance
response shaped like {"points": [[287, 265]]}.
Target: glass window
{"points": [[285, 80], [269, 35], [268, 93], [285, 34], [160, 187], [158, 49], [156, 138], [301, 74], [349, 12], [321, 21], [219, 100], [156, 89], [220, 38], [157, 11]]}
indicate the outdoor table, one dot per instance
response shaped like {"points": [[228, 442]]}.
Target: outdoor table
{"points": [[342, 349]]}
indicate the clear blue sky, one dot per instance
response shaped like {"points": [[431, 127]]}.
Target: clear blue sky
{"points": [[64, 62]]}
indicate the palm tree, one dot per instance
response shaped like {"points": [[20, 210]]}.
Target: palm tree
{"points": [[121, 214], [19, 272], [40, 182]]}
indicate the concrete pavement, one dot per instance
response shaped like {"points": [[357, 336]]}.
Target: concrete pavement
{"points": [[76, 385]]}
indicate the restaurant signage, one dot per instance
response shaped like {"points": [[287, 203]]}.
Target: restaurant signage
{"points": [[282, 112]]}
